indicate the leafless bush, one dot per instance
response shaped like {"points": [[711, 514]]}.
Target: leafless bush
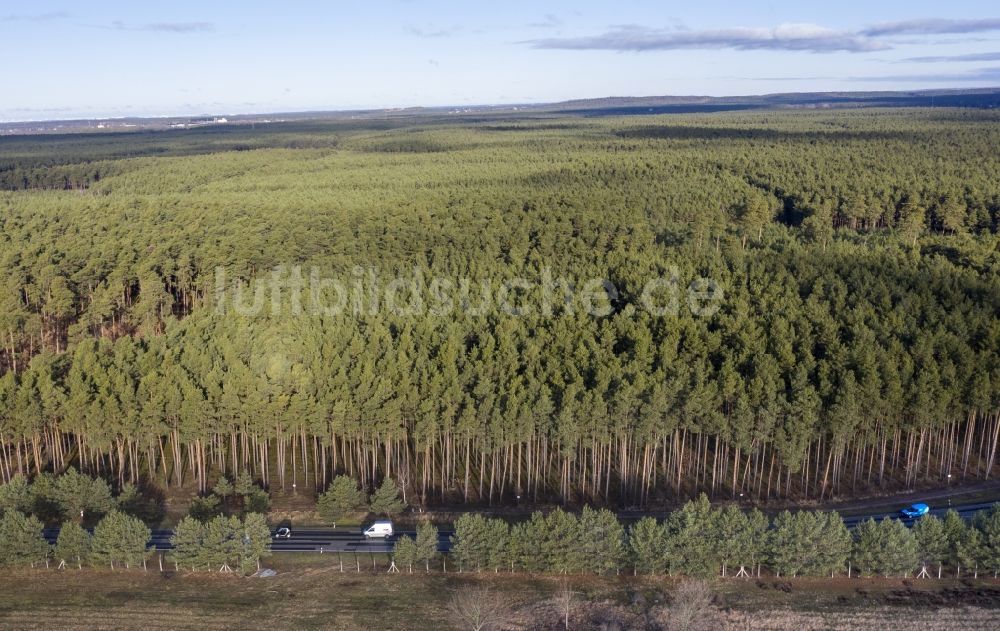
{"points": [[691, 609], [564, 602], [874, 618], [479, 608]]}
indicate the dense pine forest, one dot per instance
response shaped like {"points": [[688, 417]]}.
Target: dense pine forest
{"points": [[855, 345]]}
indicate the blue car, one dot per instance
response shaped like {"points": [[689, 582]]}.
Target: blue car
{"points": [[914, 510]]}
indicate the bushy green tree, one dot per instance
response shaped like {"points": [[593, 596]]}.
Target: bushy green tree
{"points": [[255, 542], [932, 541], [561, 549], [223, 488], [119, 538], [497, 533], [692, 539], [257, 501], [530, 547], [404, 552], [188, 543], [222, 542], [343, 498], [834, 545], [78, 493], [971, 551], [955, 534], [647, 546], [204, 509], [385, 500], [989, 525], [244, 484], [785, 545], [603, 547], [912, 221], [426, 545], [470, 544], [886, 548], [16, 495], [21, 541], [72, 544], [731, 524]]}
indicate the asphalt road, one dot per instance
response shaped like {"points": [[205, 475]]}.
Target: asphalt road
{"points": [[966, 511], [351, 539], [304, 540]]}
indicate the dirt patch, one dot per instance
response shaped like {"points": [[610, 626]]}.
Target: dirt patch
{"points": [[982, 596]]}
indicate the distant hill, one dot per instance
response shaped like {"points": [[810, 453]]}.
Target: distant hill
{"points": [[616, 106], [982, 98]]}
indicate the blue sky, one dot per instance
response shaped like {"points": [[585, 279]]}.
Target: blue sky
{"points": [[114, 58]]}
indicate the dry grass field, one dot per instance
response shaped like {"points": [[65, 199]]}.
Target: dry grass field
{"points": [[305, 595]]}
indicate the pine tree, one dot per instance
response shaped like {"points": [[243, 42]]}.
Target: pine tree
{"points": [[530, 544], [833, 544], [912, 221], [819, 224], [257, 501], [204, 509], [755, 212], [404, 552], [119, 538], [21, 541], [223, 488], [427, 545], [955, 530], [255, 542], [952, 213], [603, 545], [932, 542], [72, 544], [886, 547], [899, 552], [753, 550], [561, 549], [731, 528], [784, 555], [971, 551], [222, 543], [865, 556], [692, 538], [244, 484], [989, 525], [385, 500], [497, 537], [343, 498], [77, 493], [188, 540], [647, 546], [16, 495], [470, 544]]}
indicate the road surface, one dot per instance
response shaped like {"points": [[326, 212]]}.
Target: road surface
{"points": [[304, 540]]}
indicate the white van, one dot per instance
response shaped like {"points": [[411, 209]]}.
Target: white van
{"points": [[379, 530]]}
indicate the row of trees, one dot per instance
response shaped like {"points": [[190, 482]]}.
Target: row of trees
{"points": [[70, 495], [698, 540], [241, 497], [118, 540], [420, 550], [345, 498], [223, 544]]}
